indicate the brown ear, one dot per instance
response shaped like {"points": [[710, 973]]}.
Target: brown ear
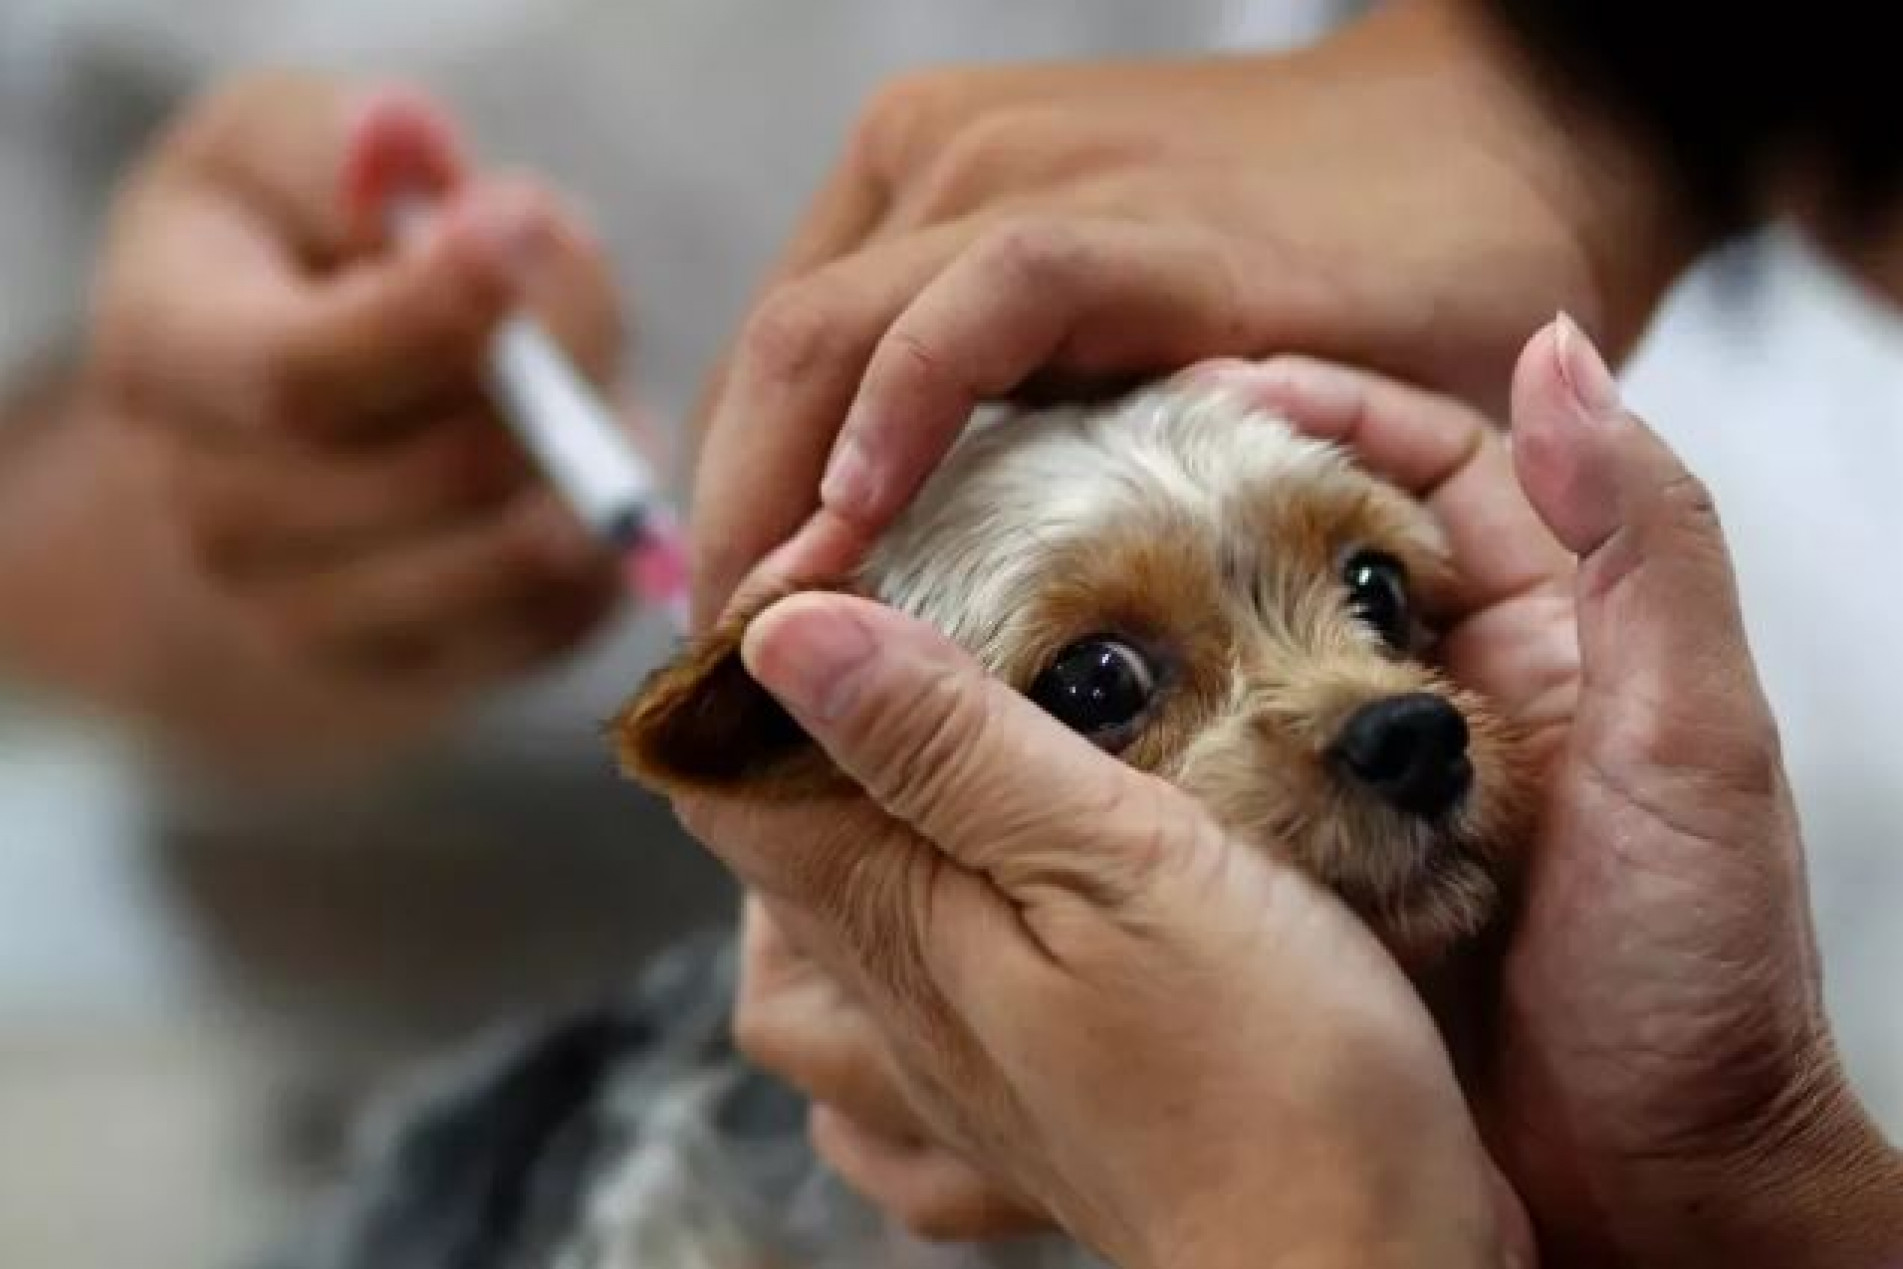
{"points": [[701, 723]]}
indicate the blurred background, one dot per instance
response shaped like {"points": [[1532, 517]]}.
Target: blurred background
{"points": [[201, 979]]}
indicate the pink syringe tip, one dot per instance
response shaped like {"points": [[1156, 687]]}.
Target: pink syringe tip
{"points": [[656, 571]]}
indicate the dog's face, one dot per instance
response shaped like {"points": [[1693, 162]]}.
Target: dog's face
{"points": [[1200, 591]]}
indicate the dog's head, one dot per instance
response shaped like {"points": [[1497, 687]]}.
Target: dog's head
{"points": [[1196, 588]]}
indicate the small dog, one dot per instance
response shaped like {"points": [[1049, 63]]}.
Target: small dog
{"points": [[1177, 576]]}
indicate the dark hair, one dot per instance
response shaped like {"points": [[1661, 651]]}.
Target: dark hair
{"points": [[1732, 94]]}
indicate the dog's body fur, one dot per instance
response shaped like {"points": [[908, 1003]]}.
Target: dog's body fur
{"points": [[1204, 535]]}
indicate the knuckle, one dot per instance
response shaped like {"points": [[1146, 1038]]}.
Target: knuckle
{"points": [[907, 357], [1033, 253], [1021, 150], [792, 332], [904, 118], [975, 159], [1688, 500]]}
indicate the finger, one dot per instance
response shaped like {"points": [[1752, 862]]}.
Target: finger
{"points": [[905, 127], [825, 549], [779, 405], [270, 352], [1091, 300], [934, 1193], [1437, 448], [979, 772], [174, 347], [256, 513], [385, 337], [792, 376], [796, 1021], [405, 601], [401, 144], [571, 291], [847, 212], [882, 186], [404, 147], [1668, 677], [280, 143]]}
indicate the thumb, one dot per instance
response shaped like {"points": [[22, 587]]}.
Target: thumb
{"points": [[1667, 675], [985, 776]]}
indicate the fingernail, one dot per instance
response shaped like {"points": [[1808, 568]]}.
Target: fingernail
{"points": [[850, 488], [1585, 371], [812, 659]]}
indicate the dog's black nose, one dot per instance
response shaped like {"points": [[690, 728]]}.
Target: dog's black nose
{"points": [[1410, 750]]}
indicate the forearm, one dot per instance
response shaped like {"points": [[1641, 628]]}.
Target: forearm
{"points": [[1604, 176], [1793, 134]]}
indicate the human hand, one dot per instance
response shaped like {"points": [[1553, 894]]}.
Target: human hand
{"points": [[1664, 1088], [1393, 197], [1667, 1086], [313, 402], [1181, 1048], [797, 1020]]}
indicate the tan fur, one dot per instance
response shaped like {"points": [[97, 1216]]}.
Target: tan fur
{"points": [[1225, 567], [700, 722]]}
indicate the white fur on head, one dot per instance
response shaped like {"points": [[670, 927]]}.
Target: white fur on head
{"points": [[975, 549]]}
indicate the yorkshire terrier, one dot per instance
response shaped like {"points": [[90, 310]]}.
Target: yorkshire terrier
{"points": [[1179, 577]]}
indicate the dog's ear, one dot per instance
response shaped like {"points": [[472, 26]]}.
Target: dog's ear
{"points": [[701, 723]]}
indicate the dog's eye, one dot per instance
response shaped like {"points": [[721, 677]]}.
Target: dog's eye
{"points": [[1377, 593], [1099, 687]]}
